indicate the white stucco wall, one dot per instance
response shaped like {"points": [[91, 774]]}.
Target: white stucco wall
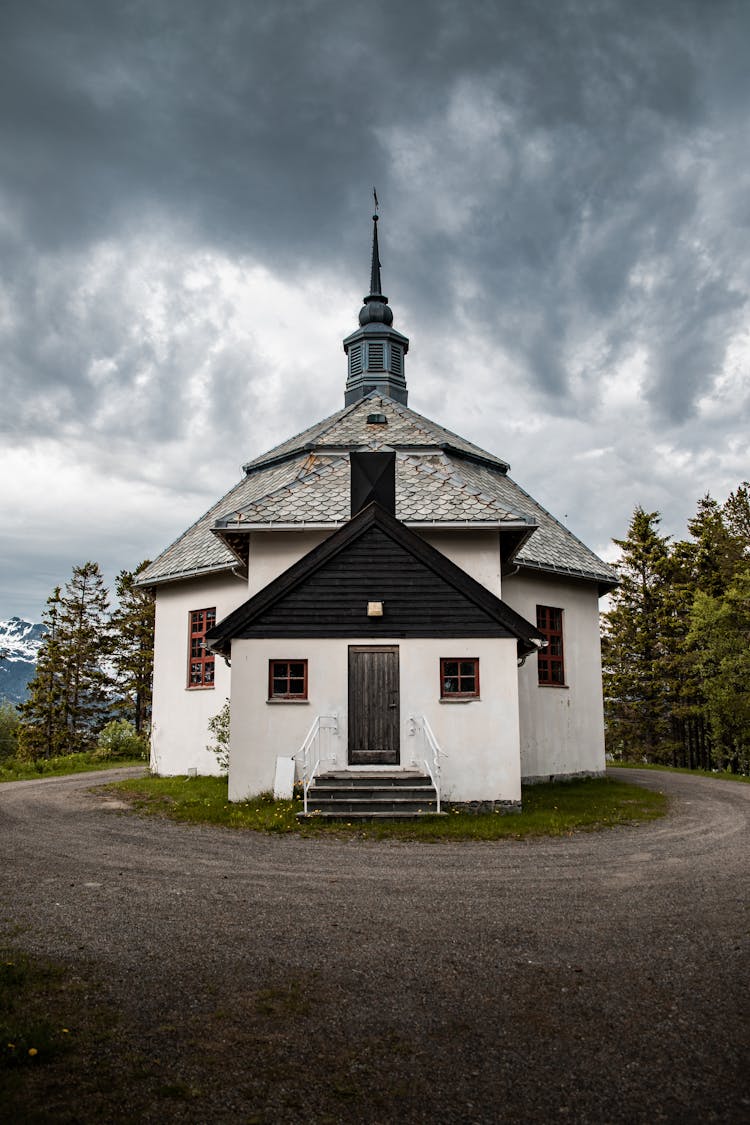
{"points": [[179, 725], [272, 552], [479, 738], [562, 728], [476, 552]]}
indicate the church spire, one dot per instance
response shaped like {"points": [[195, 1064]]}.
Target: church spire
{"points": [[376, 350], [375, 284]]}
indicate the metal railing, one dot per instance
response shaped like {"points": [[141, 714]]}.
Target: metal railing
{"points": [[432, 751], [309, 755]]}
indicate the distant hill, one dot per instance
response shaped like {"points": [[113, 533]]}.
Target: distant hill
{"points": [[19, 645]]}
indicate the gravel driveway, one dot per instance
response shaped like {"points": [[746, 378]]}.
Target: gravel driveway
{"points": [[597, 978]]}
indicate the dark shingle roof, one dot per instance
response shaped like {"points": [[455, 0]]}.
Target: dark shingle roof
{"points": [[440, 479]]}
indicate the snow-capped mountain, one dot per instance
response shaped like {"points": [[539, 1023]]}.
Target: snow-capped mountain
{"points": [[19, 645]]}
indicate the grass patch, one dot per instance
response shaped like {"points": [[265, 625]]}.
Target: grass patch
{"points": [[13, 770], [33, 1027], [720, 775], [555, 809]]}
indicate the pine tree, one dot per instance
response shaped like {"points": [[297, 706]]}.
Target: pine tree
{"points": [[85, 640], [69, 695], [715, 552], [637, 643], [720, 635], [736, 513], [132, 624], [42, 731]]}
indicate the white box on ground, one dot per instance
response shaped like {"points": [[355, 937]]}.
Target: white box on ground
{"points": [[283, 785]]}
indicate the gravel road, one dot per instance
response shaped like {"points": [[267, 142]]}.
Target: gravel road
{"points": [[601, 977]]}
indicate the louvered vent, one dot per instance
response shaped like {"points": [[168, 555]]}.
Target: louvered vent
{"points": [[397, 360], [375, 357], [355, 359]]}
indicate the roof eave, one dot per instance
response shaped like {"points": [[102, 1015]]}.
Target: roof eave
{"points": [[604, 583]]}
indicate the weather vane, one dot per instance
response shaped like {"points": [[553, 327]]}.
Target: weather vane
{"points": [[375, 197]]}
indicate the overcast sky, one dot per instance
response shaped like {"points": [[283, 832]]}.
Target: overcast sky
{"points": [[185, 200]]}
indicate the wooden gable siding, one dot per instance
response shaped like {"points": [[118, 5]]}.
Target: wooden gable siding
{"points": [[332, 602]]}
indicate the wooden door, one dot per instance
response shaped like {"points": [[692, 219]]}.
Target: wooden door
{"points": [[373, 705]]}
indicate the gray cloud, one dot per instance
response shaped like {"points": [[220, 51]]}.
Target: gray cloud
{"points": [[564, 187]]}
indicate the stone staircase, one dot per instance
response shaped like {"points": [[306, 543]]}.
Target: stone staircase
{"points": [[371, 795]]}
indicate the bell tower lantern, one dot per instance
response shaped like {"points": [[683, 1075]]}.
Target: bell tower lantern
{"points": [[376, 351]]}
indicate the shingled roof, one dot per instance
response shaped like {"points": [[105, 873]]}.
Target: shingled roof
{"points": [[441, 480]]}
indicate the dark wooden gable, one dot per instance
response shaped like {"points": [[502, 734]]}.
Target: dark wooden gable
{"points": [[374, 558]]}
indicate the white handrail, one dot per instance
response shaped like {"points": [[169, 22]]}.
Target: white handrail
{"points": [[310, 747], [435, 753]]}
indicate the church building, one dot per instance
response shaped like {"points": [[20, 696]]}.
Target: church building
{"points": [[396, 623]]}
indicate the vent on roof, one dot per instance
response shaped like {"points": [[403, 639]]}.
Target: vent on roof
{"points": [[373, 480], [377, 420], [397, 365], [375, 356], [355, 359]]}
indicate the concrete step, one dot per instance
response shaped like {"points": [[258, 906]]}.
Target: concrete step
{"points": [[371, 794], [330, 792], [369, 778], [395, 807], [366, 815]]}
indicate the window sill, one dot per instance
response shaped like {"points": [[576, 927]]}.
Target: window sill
{"points": [[564, 687], [463, 699], [200, 687], [306, 702]]}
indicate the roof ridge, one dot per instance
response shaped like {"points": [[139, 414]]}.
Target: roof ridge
{"points": [[319, 429]]}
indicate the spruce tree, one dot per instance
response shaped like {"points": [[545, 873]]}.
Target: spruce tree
{"points": [[69, 699], [636, 644], [42, 729], [132, 625], [720, 635], [85, 640]]}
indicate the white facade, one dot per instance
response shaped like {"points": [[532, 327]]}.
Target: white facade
{"points": [[179, 721], [479, 737], [562, 728]]}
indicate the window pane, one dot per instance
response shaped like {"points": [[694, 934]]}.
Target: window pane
{"points": [[467, 683], [296, 669], [296, 687], [450, 667], [450, 686], [467, 668], [279, 686]]}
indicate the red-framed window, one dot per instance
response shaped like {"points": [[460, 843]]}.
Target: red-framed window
{"points": [[287, 679], [551, 661], [200, 662], [459, 678]]}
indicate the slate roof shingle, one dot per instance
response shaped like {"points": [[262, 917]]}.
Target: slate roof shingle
{"points": [[440, 479]]}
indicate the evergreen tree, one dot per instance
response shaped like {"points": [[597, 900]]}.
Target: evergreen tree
{"points": [[720, 634], [42, 730], [85, 639], [132, 624], [636, 643], [736, 512], [68, 699]]}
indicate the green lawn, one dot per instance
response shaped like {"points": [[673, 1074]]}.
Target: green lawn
{"points": [[548, 810], [12, 770]]}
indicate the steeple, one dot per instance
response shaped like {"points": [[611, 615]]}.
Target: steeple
{"points": [[376, 350]]}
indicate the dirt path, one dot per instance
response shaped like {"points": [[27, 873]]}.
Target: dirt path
{"points": [[600, 977]]}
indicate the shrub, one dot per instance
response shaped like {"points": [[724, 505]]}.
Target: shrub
{"points": [[219, 728], [119, 739], [9, 724]]}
